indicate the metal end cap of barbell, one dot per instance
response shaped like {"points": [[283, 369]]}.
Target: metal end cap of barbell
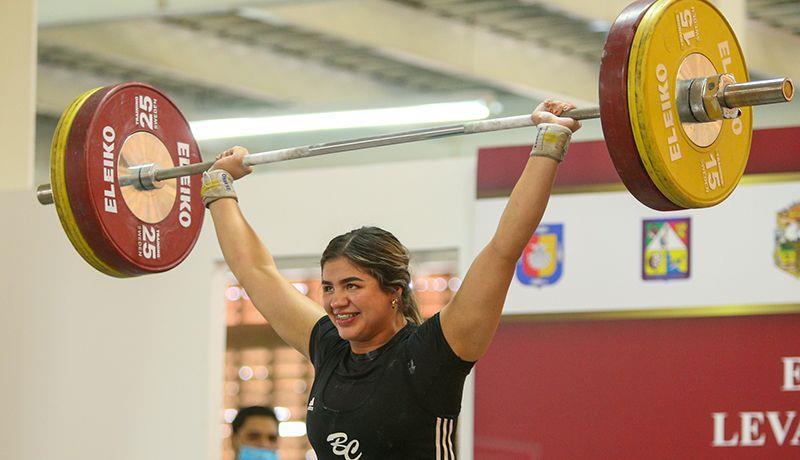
{"points": [[44, 194], [788, 89]]}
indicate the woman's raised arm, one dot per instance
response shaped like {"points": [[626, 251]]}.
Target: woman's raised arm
{"points": [[291, 314], [471, 318]]}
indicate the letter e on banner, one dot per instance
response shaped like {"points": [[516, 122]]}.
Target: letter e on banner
{"points": [[791, 374]]}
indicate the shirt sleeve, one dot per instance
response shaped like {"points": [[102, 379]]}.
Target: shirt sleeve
{"points": [[436, 372], [324, 338]]}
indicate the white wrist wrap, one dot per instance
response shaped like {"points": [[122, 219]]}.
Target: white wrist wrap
{"points": [[552, 141], [217, 184]]}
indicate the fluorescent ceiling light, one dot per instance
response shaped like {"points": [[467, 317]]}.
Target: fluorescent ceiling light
{"points": [[412, 115]]}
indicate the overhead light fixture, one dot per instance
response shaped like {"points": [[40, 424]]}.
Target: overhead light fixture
{"points": [[396, 116]]}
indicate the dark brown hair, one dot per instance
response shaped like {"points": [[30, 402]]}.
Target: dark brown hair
{"points": [[253, 411], [380, 254]]}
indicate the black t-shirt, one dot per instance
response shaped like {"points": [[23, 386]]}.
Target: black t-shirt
{"points": [[400, 401]]}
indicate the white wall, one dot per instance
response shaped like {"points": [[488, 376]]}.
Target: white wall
{"points": [[731, 262], [100, 367], [95, 367]]}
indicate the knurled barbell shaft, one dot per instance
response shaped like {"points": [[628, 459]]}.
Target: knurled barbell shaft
{"points": [[735, 95]]}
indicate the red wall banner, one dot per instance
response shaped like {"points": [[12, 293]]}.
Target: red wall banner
{"points": [[774, 150], [711, 388]]}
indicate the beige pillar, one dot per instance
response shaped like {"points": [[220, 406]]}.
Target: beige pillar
{"points": [[735, 12], [17, 93]]}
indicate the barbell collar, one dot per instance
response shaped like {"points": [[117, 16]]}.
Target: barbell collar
{"points": [[143, 177], [708, 99]]}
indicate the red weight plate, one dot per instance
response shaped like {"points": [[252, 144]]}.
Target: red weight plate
{"points": [[102, 126], [614, 115], [77, 187]]}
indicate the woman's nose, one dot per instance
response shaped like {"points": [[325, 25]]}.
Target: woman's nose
{"points": [[338, 300]]}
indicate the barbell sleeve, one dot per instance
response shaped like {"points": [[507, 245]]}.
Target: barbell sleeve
{"points": [[758, 92], [44, 193]]}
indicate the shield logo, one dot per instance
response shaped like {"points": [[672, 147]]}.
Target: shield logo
{"points": [[666, 248], [787, 240], [542, 260]]}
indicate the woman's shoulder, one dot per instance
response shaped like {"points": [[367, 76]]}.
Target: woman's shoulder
{"points": [[428, 339], [324, 339], [427, 326]]}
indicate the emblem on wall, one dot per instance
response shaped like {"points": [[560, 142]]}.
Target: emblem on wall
{"points": [[542, 260], [787, 240], [666, 248]]}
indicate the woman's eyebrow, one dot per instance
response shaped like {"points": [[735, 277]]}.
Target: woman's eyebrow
{"points": [[346, 280]]}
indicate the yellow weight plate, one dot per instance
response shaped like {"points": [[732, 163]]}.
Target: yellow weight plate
{"points": [[58, 151], [693, 165]]}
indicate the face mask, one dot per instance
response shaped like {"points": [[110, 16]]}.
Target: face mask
{"points": [[256, 453]]}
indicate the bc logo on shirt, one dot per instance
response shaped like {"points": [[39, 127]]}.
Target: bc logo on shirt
{"points": [[342, 448]]}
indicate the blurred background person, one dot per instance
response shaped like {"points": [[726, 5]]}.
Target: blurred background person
{"points": [[255, 434]]}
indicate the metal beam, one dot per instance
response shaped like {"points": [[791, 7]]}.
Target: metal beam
{"points": [[447, 45], [208, 60], [772, 51], [769, 51], [591, 10], [59, 12]]}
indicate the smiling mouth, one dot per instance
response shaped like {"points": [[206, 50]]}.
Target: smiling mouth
{"points": [[344, 318]]}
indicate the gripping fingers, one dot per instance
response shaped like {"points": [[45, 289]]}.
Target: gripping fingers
{"points": [[550, 111], [232, 161]]}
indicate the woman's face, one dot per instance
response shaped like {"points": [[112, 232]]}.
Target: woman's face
{"points": [[355, 302]]}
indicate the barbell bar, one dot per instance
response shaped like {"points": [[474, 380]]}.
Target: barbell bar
{"points": [[147, 176], [675, 112], [734, 96]]}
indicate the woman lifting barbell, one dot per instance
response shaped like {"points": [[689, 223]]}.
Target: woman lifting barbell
{"points": [[387, 385]]}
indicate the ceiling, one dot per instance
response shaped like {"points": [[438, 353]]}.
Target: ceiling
{"points": [[233, 58]]}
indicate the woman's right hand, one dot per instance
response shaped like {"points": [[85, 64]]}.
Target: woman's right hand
{"points": [[231, 160]]}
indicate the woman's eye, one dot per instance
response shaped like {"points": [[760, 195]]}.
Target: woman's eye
{"points": [[352, 286], [327, 289]]}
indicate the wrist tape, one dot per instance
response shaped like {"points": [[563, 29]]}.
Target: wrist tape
{"points": [[552, 141], [217, 184]]}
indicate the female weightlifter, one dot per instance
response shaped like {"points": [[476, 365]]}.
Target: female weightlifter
{"points": [[387, 385]]}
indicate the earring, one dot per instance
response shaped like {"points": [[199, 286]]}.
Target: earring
{"points": [[394, 304]]}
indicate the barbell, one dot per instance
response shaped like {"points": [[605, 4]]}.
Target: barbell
{"points": [[674, 106]]}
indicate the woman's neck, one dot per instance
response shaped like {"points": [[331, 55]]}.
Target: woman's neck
{"points": [[381, 338]]}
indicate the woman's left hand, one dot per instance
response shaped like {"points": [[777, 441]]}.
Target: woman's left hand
{"points": [[550, 111]]}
